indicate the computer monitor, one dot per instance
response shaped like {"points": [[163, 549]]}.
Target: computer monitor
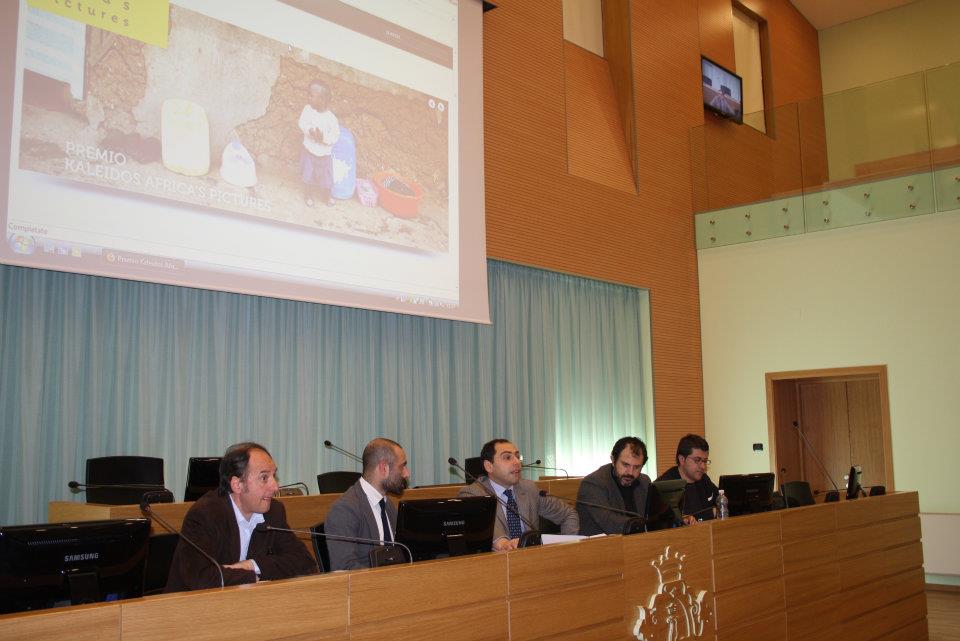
{"points": [[748, 493], [53, 564], [435, 528], [203, 475], [145, 472], [663, 504], [671, 492]]}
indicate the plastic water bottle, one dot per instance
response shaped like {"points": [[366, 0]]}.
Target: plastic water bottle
{"points": [[724, 505]]}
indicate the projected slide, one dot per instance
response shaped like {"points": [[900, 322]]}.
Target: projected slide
{"points": [[290, 148]]}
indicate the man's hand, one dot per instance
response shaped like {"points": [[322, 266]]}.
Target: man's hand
{"points": [[689, 519], [242, 565], [504, 545]]}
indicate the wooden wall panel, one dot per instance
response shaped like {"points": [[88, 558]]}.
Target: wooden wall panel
{"points": [[540, 215], [596, 144]]}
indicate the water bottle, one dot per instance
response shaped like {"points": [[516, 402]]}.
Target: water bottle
{"points": [[724, 505]]}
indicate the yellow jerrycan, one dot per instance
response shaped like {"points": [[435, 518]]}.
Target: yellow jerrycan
{"points": [[185, 137]]}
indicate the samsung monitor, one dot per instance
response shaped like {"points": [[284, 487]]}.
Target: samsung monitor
{"points": [[132, 476], [436, 528], [722, 90], [53, 564], [671, 493], [663, 504], [748, 493], [203, 475]]}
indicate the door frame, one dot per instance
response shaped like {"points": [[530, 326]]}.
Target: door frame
{"points": [[834, 374]]}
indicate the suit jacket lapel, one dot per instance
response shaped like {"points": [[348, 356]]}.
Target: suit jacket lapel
{"points": [[233, 531], [369, 516]]}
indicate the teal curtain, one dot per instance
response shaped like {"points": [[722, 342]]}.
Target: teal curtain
{"points": [[93, 366]]}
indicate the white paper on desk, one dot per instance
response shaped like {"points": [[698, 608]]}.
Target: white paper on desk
{"points": [[561, 538]]}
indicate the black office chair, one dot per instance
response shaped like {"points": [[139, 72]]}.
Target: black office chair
{"points": [[320, 548], [145, 472], [203, 475], [336, 482], [797, 493]]}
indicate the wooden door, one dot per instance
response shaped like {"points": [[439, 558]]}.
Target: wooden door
{"points": [[823, 418]]}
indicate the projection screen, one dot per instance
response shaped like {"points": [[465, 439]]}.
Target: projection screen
{"points": [[326, 151]]}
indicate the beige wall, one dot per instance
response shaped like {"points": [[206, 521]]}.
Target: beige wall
{"points": [[885, 293], [901, 41]]}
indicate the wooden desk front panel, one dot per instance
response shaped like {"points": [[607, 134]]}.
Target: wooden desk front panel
{"points": [[844, 571]]}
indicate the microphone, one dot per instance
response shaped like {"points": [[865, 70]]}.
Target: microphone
{"points": [[536, 466], [263, 527], [528, 538], [331, 446], [146, 487], [149, 497], [306, 490], [630, 527], [831, 497]]}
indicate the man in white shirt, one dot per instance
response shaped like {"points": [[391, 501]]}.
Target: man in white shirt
{"points": [[222, 524], [364, 511]]}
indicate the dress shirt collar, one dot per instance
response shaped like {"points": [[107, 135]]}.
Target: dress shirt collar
{"points": [[246, 527], [374, 496]]}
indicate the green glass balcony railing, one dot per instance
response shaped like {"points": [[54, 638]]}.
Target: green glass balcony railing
{"points": [[888, 150]]}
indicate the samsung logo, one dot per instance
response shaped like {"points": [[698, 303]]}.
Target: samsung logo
{"points": [[459, 523], [86, 556]]}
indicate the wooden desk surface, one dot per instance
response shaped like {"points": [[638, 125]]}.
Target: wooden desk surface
{"points": [[850, 570]]}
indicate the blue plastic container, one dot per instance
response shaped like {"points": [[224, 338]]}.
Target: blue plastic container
{"points": [[344, 155]]}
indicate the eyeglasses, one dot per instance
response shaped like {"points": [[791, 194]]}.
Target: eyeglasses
{"points": [[699, 461]]}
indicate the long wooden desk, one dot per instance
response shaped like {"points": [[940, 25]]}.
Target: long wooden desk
{"points": [[302, 511], [850, 571]]}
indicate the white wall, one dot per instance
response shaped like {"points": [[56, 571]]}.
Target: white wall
{"points": [[917, 36], [885, 293]]}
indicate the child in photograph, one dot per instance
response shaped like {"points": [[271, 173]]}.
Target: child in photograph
{"points": [[320, 131]]}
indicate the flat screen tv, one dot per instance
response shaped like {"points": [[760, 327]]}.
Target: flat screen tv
{"points": [[436, 528], [748, 493], [53, 564], [722, 90]]}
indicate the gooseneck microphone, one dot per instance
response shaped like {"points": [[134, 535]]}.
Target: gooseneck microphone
{"points": [[536, 466], [76, 486], [306, 490], [528, 538], [630, 527], [331, 446], [263, 527], [831, 497], [149, 497]]}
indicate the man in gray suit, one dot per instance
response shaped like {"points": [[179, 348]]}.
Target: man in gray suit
{"points": [[364, 511], [501, 461], [619, 485]]}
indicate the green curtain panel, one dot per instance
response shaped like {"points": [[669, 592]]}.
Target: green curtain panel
{"points": [[95, 367]]}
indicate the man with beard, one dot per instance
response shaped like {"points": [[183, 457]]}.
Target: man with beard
{"points": [[517, 497], [700, 496], [619, 485], [364, 511], [223, 524]]}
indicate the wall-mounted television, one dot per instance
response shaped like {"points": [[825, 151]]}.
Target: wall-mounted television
{"points": [[722, 90]]}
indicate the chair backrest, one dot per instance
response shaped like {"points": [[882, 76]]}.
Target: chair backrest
{"points": [[797, 493], [320, 548], [145, 471], [203, 475], [336, 482], [474, 467]]}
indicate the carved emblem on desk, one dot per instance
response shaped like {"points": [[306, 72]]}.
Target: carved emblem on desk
{"points": [[676, 611]]}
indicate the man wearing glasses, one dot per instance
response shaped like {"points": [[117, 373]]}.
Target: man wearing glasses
{"points": [[700, 496]]}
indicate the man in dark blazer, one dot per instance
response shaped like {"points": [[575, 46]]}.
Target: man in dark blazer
{"points": [[364, 511], [223, 523], [502, 463], [619, 485]]}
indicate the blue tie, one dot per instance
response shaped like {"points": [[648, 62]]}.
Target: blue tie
{"points": [[513, 515]]}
